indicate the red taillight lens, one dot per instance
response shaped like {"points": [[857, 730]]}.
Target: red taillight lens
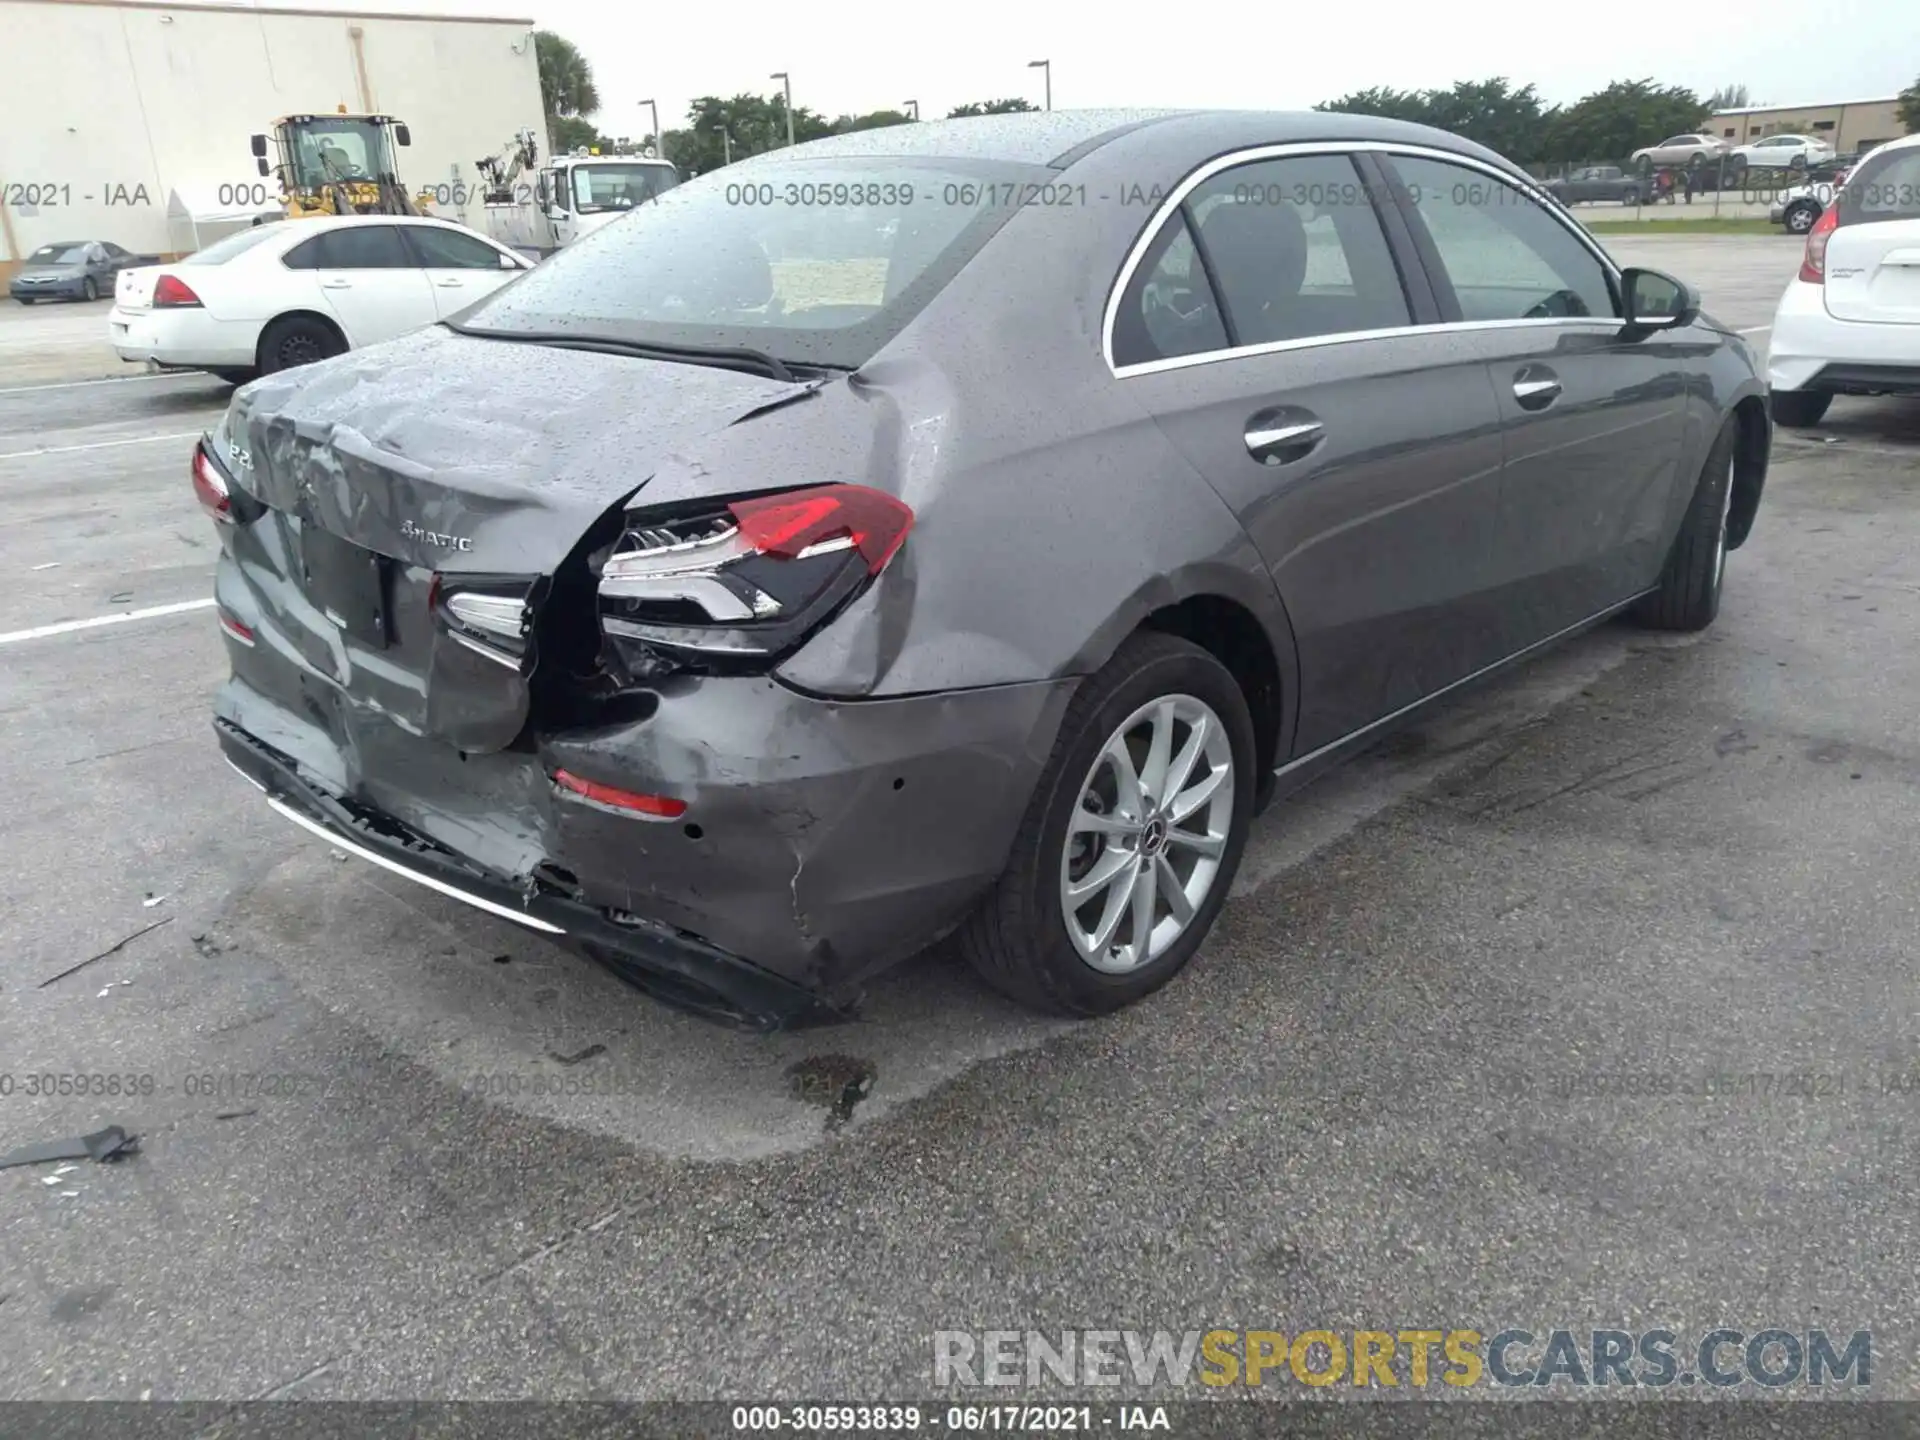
{"points": [[745, 582], [242, 633], [659, 807], [1813, 265], [171, 290], [787, 527], [210, 487]]}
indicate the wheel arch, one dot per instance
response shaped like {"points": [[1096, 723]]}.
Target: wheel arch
{"points": [[1752, 447], [326, 322], [1234, 614]]}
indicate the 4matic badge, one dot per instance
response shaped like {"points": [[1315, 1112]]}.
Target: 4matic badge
{"points": [[434, 538]]}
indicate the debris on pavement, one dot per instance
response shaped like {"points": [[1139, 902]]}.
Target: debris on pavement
{"points": [[110, 950], [152, 900], [105, 1146], [586, 1054], [50, 565], [235, 1114]]}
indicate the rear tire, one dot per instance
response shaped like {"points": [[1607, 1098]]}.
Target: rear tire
{"points": [[1798, 408], [296, 340], [1689, 593], [89, 290], [1800, 217], [1082, 818]]}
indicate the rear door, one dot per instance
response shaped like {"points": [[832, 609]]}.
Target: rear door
{"points": [[1873, 256], [461, 268], [369, 280], [1593, 422], [1269, 330]]}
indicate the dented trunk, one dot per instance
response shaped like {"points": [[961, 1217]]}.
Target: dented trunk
{"points": [[409, 545]]}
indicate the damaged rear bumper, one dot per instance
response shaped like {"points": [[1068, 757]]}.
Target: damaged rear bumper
{"points": [[822, 840], [680, 970]]}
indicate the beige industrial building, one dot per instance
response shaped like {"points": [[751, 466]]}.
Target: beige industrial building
{"points": [[1847, 125], [129, 120]]}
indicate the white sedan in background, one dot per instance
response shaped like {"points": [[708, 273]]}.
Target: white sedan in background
{"points": [[1849, 324], [295, 291], [1780, 152]]}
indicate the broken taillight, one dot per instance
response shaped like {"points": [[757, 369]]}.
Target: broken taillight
{"points": [[489, 615], [748, 579], [169, 291], [1813, 265], [210, 487]]}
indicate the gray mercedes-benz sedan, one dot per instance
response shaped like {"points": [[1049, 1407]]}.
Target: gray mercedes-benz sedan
{"points": [[961, 528]]}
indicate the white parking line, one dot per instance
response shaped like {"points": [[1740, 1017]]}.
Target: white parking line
{"points": [[98, 445], [67, 627], [106, 380]]}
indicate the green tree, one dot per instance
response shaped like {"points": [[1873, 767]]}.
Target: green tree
{"points": [[744, 125], [1610, 124], [1489, 112], [566, 79], [1909, 112], [570, 132], [877, 120], [991, 107], [1729, 97]]}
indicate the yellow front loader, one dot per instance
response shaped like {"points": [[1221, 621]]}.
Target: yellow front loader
{"points": [[340, 164]]}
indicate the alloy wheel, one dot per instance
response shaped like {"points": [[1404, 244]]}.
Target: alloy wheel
{"points": [[1148, 832]]}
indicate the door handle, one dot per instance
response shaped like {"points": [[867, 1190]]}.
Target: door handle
{"points": [[336, 284], [1283, 435], [449, 284], [1536, 387]]}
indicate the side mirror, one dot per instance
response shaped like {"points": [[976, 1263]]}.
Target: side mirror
{"points": [[1654, 301], [402, 135], [260, 164], [260, 148]]}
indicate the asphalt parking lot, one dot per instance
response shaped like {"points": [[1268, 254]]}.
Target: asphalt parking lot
{"points": [[1370, 1103]]}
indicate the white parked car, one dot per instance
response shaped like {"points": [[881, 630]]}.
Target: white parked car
{"points": [[1780, 152], [295, 291], [1849, 324], [1691, 151]]}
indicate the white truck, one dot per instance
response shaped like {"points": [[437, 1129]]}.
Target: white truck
{"points": [[570, 196]]}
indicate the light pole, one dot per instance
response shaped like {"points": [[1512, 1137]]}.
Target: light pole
{"points": [[659, 140], [1045, 67], [786, 82], [912, 108]]}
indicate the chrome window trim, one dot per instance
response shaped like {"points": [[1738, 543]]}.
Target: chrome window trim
{"points": [[1254, 154]]}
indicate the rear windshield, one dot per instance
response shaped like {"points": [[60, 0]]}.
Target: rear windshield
{"points": [[238, 243], [1886, 186], [814, 261]]}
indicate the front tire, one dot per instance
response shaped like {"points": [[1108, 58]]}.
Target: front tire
{"points": [[1798, 408], [1131, 839], [1689, 593], [89, 290], [23, 299]]}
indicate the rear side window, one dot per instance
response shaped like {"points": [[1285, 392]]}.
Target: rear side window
{"points": [[1885, 187], [1503, 254], [1293, 249], [442, 249], [355, 247]]}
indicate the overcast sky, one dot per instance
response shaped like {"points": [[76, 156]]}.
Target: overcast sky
{"points": [[852, 58]]}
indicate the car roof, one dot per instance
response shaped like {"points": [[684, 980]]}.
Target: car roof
{"points": [[1059, 137], [63, 244]]}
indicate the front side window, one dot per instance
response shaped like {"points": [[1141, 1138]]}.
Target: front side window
{"points": [[442, 249], [1504, 255]]}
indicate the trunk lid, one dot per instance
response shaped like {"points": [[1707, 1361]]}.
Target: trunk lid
{"points": [[133, 289], [483, 463], [1873, 272]]}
